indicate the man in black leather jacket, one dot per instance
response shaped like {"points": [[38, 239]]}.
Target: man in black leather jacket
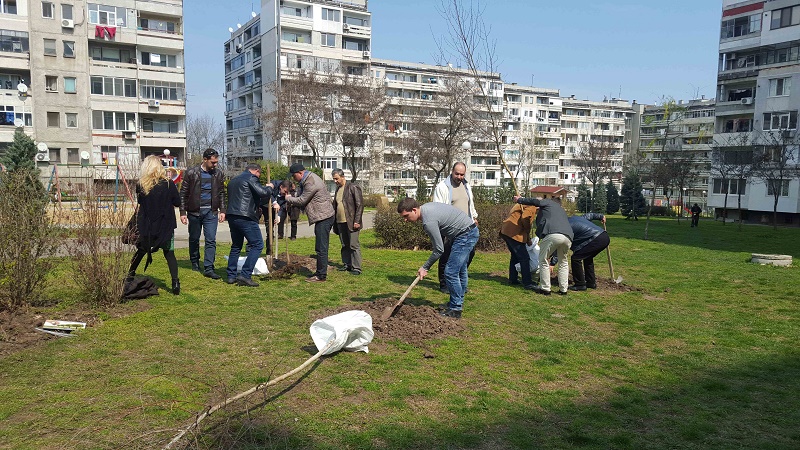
{"points": [[588, 242], [245, 196]]}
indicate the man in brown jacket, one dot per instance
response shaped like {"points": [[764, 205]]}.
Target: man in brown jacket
{"points": [[349, 206], [516, 231], [314, 197]]}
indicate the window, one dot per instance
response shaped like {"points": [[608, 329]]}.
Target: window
{"points": [[160, 125], [780, 120], [296, 36], [8, 6], [354, 44], [53, 119], [785, 17], [328, 163], [69, 49], [48, 10], [8, 114], [50, 47], [159, 90], [113, 54], [50, 83], [779, 86], [111, 120], [160, 26], [732, 187], [72, 120], [782, 185], [66, 11], [73, 156], [106, 15], [118, 87], [13, 41], [55, 154], [330, 14], [328, 40], [356, 21], [158, 59], [70, 85], [741, 26]]}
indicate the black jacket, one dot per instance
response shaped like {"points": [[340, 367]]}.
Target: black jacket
{"points": [[551, 217], [156, 219], [190, 191], [246, 195], [585, 231]]}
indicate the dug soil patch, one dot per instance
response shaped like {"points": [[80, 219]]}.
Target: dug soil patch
{"points": [[302, 265], [410, 324]]}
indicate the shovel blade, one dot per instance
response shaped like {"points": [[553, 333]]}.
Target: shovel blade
{"points": [[388, 311]]}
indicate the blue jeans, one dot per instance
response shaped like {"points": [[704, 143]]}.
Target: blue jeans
{"points": [[455, 271], [244, 228], [206, 222], [322, 234]]}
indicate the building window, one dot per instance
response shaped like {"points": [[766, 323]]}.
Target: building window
{"points": [[779, 86], [8, 6], [118, 87], [48, 10], [159, 125], [158, 59], [112, 54], [741, 26], [111, 120], [66, 11], [8, 114], [73, 156], [55, 155], [50, 47], [330, 14], [160, 26], [72, 120], [328, 163], [328, 40], [13, 41], [783, 185], [356, 21], [780, 120], [106, 15], [50, 83], [296, 36], [785, 17], [69, 49], [159, 90], [70, 85], [355, 44], [53, 119], [733, 187]]}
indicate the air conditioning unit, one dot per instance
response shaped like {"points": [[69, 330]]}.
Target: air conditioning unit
{"points": [[43, 157], [747, 101], [365, 54], [129, 134], [238, 48], [67, 23], [153, 103], [251, 142]]}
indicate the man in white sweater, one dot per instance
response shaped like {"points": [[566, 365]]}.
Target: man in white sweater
{"points": [[454, 190]]}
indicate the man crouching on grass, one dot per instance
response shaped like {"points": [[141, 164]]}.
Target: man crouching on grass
{"points": [[442, 220]]}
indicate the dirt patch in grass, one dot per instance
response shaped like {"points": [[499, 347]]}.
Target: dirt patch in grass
{"points": [[18, 330], [303, 265], [410, 324]]}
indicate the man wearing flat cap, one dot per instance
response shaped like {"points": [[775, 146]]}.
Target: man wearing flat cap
{"points": [[313, 196]]}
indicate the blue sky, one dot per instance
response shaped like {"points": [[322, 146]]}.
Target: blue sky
{"points": [[589, 48]]}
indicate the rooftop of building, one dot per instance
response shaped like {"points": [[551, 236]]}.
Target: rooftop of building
{"points": [[436, 68]]}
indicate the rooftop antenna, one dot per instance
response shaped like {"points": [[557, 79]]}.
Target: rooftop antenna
{"points": [[531, 80], [620, 91]]}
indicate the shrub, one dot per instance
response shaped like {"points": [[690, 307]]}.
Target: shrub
{"points": [[660, 211], [375, 200], [28, 237]]}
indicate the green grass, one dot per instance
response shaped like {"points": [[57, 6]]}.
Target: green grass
{"points": [[703, 355]]}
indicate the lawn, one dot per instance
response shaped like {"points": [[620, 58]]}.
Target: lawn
{"points": [[701, 352]]}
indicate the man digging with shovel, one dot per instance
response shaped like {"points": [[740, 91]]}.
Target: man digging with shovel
{"points": [[442, 220]]}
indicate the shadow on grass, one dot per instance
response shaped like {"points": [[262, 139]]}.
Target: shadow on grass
{"points": [[751, 406]]}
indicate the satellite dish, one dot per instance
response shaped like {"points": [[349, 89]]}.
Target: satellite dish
{"points": [[22, 88], [84, 155], [238, 25], [19, 123], [166, 152], [253, 14], [230, 29], [41, 146]]}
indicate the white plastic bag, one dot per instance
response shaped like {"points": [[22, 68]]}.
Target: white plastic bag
{"points": [[533, 255], [350, 330], [259, 269]]}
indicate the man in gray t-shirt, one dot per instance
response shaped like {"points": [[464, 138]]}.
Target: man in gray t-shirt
{"points": [[442, 221]]}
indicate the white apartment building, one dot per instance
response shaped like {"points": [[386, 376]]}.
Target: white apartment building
{"points": [[758, 94], [94, 84]]}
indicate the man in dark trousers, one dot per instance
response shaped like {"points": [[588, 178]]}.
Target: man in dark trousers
{"points": [[695, 215], [245, 197], [314, 197], [442, 221], [203, 207], [349, 206], [555, 234], [588, 242]]}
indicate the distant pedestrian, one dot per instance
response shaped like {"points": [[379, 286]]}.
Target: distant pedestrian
{"points": [[444, 221], [696, 215], [314, 197], [588, 242], [349, 206], [202, 208]]}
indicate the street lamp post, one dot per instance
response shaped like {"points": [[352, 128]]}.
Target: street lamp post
{"points": [[705, 203]]}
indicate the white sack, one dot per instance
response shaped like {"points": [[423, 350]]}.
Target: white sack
{"points": [[259, 269], [533, 255], [350, 330]]}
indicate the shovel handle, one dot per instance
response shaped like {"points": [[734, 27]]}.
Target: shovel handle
{"points": [[408, 291], [608, 252]]}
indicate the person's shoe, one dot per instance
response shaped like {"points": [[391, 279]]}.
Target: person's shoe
{"points": [[343, 269], [452, 313], [561, 292], [355, 272], [444, 290], [231, 280], [242, 281], [313, 256], [577, 288], [211, 274], [176, 287], [315, 279], [292, 238], [513, 283], [196, 267], [591, 286], [530, 287], [539, 290]]}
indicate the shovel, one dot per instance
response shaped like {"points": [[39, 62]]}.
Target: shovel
{"points": [[389, 310], [617, 280]]}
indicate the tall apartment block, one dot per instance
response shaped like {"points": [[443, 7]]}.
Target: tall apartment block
{"points": [[758, 92], [94, 84]]}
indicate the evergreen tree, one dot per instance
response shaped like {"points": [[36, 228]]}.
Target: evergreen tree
{"points": [[612, 198], [584, 200], [632, 200], [20, 154], [422, 190], [599, 199]]}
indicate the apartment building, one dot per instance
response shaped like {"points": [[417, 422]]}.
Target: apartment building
{"points": [[758, 97], [680, 132], [96, 85]]}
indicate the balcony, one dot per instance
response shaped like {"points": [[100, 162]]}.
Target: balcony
{"points": [[357, 30]]}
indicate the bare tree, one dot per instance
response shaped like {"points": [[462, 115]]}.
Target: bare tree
{"points": [[202, 132], [731, 164], [776, 163], [595, 159]]}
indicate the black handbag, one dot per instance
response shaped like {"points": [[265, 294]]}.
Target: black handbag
{"points": [[130, 235]]}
